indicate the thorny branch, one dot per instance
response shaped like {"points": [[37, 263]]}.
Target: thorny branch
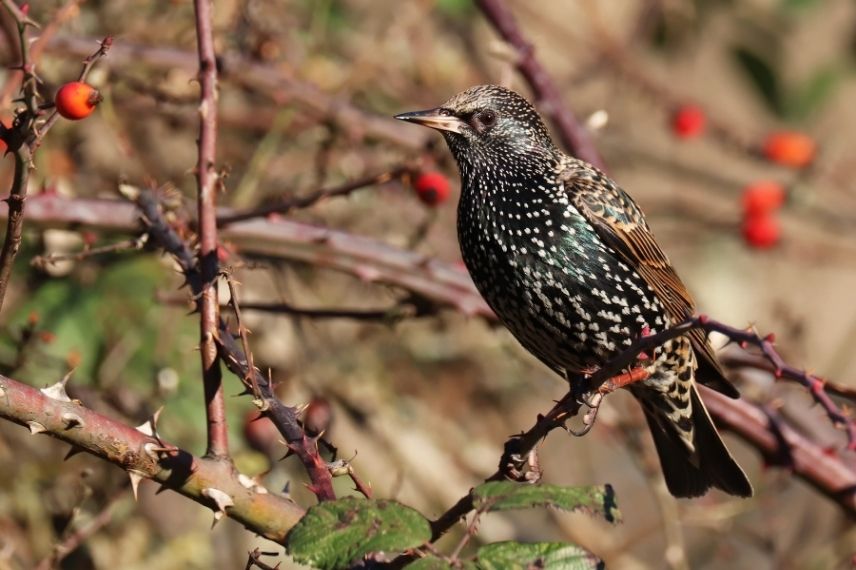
{"points": [[24, 138], [136, 243], [53, 413], [16, 141], [208, 266], [249, 378], [283, 417], [65, 13]]}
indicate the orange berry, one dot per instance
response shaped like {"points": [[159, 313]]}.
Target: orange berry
{"points": [[762, 197], [688, 121], [432, 188], [761, 231], [790, 148], [76, 100]]}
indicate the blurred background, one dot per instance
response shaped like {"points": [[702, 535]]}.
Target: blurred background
{"points": [[682, 97]]}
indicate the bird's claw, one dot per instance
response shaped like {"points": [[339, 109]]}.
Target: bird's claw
{"points": [[526, 470], [593, 403]]}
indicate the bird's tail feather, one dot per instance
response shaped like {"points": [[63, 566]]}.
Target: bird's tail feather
{"points": [[692, 474]]}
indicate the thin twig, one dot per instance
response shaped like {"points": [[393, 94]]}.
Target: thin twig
{"points": [[403, 310], [133, 244], [394, 313], [471, 531], [266, 78], [71, 542], [15, 220], [254, 559], [243, 332], [760, 362], [23, 139], [103, 47], [60, 16], [287, 204], [207, 182]]}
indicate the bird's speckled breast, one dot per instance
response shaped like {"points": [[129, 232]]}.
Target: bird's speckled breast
{"points": [[542, 268]]}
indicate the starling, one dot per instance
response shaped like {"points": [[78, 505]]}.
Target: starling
{"points": [[568, 263]]}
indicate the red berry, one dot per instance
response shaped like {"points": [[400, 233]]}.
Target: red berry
{"points": [[432, 188], [223, 253], [761, 231], [790, 148], [76, 100], [260, 433], [762, 197], [688, 121], [89, 238], [318, 416]]}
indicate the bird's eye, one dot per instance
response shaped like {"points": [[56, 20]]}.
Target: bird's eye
{"points": [[487, 118], [444, 113]]}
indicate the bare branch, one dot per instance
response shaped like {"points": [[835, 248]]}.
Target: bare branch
{"points": [[71, 542], [264, 78], [208, 264], [283, 417], [287, 204], [257, 509], [366, 258]]}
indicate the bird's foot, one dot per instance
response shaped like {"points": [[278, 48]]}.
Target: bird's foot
{"points": [[593, 400], [589, 418], [525, 471]]}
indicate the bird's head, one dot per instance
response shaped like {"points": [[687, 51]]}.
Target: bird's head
{"points": [[486, 124]]}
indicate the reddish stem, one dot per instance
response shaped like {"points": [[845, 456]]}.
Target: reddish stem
{"points": [[265, 513], [206, 176]]}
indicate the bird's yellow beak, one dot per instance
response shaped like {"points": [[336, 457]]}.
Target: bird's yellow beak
{"points": [[433, 118]]}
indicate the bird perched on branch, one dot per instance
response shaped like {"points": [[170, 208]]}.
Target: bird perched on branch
{"points": [[568, 263]]}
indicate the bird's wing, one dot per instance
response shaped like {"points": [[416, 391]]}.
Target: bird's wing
{"points": [[620, 224]]}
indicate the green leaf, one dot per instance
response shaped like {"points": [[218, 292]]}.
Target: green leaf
{"points": [[504, 495], [550, 555], [336, 533], [761, 72]]}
